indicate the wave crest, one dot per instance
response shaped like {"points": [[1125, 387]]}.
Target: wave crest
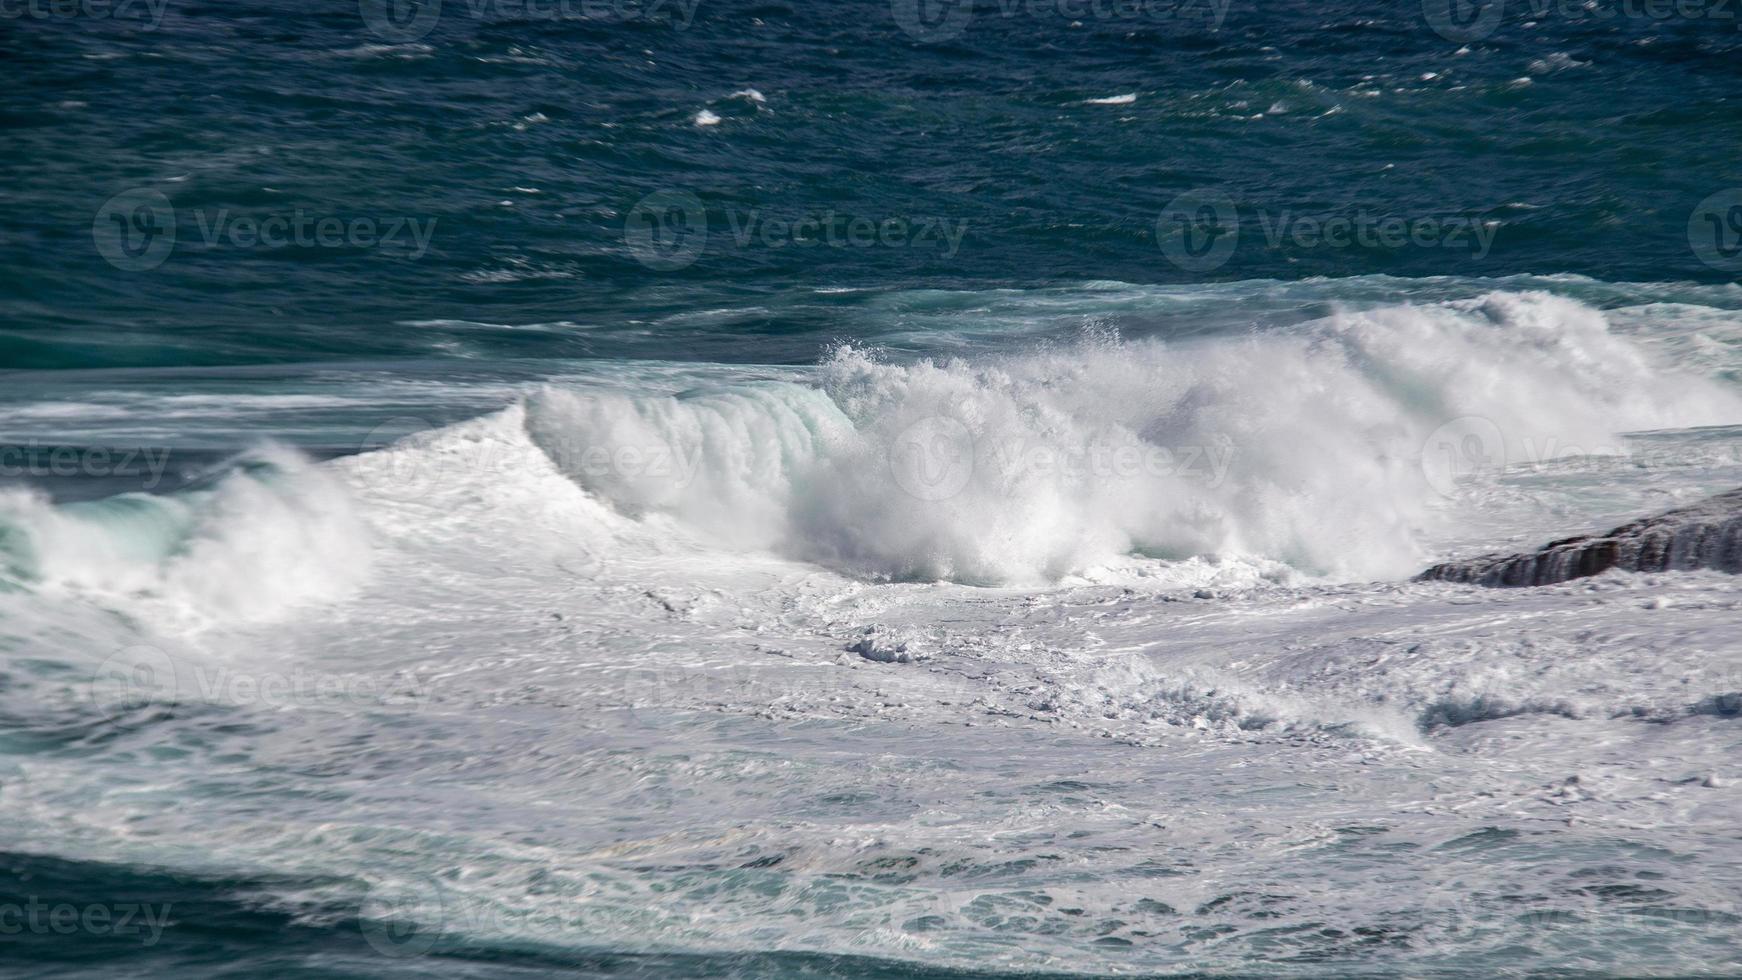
{"points": [[1303, 445], [273, 532]]}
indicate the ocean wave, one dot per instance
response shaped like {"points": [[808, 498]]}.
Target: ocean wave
{"points": [[273, 532], [1312, 446], [1318, 450]]}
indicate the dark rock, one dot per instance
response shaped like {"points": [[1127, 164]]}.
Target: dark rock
{"points": [[1705, 535]]}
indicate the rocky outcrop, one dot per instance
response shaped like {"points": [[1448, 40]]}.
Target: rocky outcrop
{"points": [[1705, 535]]}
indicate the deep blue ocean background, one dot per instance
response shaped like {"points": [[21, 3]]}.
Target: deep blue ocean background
{"points": [[1589, 141]]}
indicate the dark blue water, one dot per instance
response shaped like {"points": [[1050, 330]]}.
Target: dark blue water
{"points": [[161, 923], [518, 141]]}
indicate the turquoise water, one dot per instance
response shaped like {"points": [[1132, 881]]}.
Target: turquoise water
{"points": [[324, 305]]}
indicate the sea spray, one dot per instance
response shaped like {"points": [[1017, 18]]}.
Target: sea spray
{"points": [[1303, 445]]}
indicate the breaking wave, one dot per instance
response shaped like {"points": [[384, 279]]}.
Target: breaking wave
{"points": [[1314, 446], [270, 533]]}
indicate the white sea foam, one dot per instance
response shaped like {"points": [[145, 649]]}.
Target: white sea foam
{"points": [[1085, 774], [274, 533], [1303, 446]]}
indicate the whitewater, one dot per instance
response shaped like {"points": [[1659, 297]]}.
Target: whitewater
{"points": [[1012, 634]]}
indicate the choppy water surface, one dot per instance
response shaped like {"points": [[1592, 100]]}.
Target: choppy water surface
{"points": [[862, 490]]}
